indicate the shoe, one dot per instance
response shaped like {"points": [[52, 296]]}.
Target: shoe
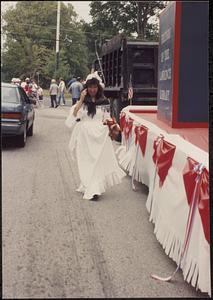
{"points": [[56, 106], [94, 198]]}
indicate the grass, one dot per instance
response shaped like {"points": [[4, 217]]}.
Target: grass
{"points": [[67, 94]]}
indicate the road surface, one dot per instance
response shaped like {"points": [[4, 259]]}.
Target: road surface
{"points": [[57, 245]]}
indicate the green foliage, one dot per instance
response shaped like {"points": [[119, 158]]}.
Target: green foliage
{"points": [[30, 30], [113, 17], [110, 18]]}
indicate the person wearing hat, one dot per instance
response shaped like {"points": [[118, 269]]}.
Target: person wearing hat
{"points": [[76, 88], [91, 141], [53, 93]]}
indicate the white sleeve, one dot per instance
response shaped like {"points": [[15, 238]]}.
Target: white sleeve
{"points": [[71, 119]]}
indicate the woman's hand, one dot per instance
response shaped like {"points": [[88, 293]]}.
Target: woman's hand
{"points": [[80, 102]]}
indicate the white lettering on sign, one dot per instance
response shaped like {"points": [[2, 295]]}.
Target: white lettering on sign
{"points": [[165, 55], [162, 56], [165, 75], [164, 94], [165, 36]]}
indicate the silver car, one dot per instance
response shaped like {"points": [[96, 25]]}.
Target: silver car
{"points": [[17, 113]]}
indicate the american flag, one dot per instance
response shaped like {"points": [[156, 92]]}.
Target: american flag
{"points": [[130, 90]]}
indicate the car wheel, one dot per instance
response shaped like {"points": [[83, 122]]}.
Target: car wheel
{"points": [[30, 131], [21, 140]]}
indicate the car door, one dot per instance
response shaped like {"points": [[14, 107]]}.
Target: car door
{"points": [[27, 107]]}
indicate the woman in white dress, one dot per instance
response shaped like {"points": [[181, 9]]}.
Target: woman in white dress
{"points": [[91, 143]]}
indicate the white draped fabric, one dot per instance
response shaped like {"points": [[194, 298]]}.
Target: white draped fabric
{"points": [[91, 145], [167, 205]]}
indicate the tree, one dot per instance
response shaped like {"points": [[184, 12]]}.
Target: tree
{"points": [[30, 30], [110, 18], [113, 17]]}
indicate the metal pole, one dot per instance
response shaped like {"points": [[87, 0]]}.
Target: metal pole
{"points": [[58, 34], [96, 52]]}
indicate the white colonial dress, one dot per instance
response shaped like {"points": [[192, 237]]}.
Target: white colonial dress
{"points": [[91, 145]]}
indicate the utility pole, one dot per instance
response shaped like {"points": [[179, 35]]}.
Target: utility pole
{"points": [[58, 34], [139, 20]]}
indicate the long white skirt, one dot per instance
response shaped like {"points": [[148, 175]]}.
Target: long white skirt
{"points": [[98, 168]]}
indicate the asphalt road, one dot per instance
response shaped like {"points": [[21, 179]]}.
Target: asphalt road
{"points": [[57, 245]]}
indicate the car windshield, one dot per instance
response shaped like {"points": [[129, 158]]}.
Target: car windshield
{"points": [[9, 95]]}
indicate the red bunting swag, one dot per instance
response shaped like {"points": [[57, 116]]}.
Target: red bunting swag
{"points": [[189, 176], [122, 121], [162, 157], [141, 137], [128, 128], [193, 174]]}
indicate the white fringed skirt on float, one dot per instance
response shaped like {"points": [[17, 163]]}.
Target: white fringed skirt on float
{"points": [[91, 145]]}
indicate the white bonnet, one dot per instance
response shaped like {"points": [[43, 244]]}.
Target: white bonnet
{"points": [[95, 75]]}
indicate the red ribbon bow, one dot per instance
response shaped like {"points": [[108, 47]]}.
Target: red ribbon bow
{"points": [[162, 157], [141, 137], [189, 176]]}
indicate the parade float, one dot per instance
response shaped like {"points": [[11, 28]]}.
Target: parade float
{"points": [[165, 147]]}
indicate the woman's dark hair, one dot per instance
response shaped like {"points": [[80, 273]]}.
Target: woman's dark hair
{"points": [[91, 106]]}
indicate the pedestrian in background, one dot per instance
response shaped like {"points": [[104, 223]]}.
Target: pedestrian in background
{"points": [[61, 89], [18, 81], [40, 96], [34, 91], [25, 83], [76, 88], [27, 87], [53, 93], [40, 93], [71, 81]]}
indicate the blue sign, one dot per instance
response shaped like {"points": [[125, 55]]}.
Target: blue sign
{"points": [[165, 62]]}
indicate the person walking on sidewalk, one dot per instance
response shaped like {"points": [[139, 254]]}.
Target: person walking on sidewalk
{"points": [[53, 93], [61, 89], [76, 88]]}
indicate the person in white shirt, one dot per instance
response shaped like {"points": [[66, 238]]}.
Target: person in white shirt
{"points": [[53, 93], [40, 96], [24, 83], [61, 89], [40, 93]]}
